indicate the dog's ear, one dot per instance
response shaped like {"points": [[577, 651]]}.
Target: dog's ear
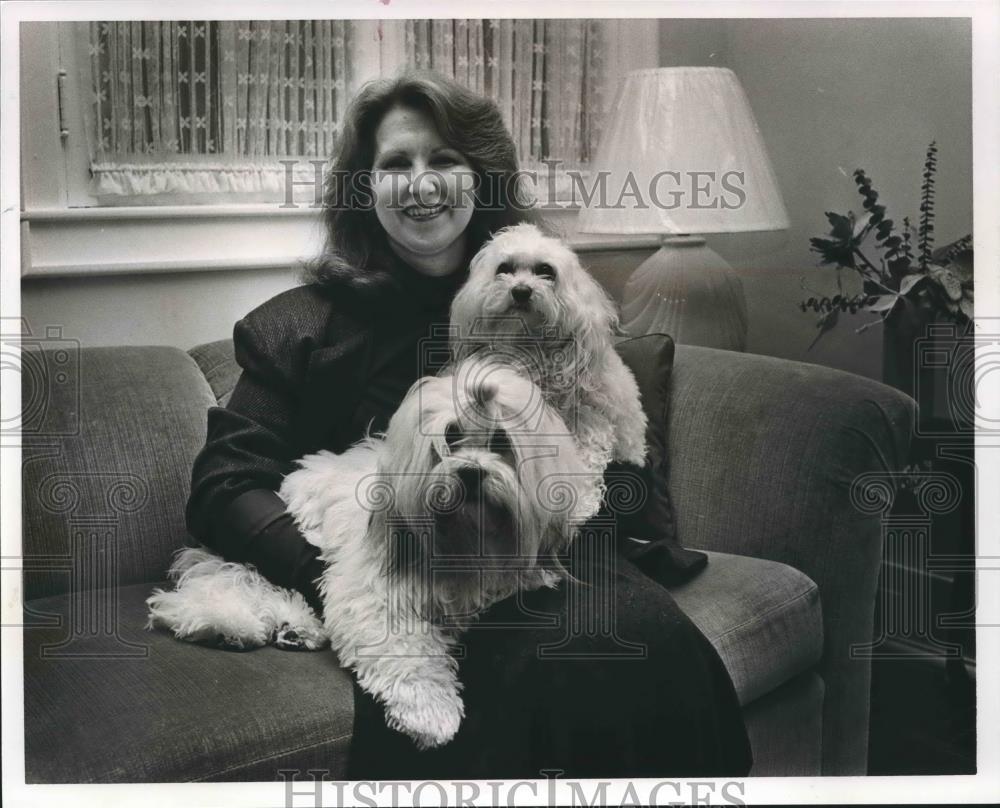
{"points": [[554, 472], [480, 258], [416, 429], [590, 313], [467, 303]]}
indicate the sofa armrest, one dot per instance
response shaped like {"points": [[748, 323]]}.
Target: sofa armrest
{"points": [[763, 456]]}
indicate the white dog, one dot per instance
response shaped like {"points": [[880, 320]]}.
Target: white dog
{"points": [[472, 494], [529, 300]]}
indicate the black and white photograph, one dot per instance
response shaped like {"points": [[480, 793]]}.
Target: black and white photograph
{"points": [[412, 403]]}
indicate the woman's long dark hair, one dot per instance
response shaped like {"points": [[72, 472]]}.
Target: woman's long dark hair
{"points": [[467, 122]]}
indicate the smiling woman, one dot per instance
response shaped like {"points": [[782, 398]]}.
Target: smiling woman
{"points": [[420, 192], [424, 173]]}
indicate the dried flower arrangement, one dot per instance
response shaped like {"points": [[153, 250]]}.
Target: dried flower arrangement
{"points": [[905, 272]]}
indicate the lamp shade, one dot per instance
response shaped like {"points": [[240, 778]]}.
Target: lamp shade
{"points": [[682, 154]]}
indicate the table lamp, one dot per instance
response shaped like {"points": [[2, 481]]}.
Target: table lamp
{"points": [[682, 156]]}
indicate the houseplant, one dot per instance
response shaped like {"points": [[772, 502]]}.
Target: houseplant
{"points": [[906, 283]]}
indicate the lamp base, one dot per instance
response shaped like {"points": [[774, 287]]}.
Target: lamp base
{"points": [[686, 290]]}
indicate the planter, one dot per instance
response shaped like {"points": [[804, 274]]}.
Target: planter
{"points": [[931, 359]]}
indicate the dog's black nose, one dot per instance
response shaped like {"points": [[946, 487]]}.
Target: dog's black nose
{"points": [[471, 476], [521, 293]]}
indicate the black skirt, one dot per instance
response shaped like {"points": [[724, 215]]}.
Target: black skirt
{"points": [[603, 677]]}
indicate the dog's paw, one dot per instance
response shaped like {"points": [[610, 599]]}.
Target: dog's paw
{"points": [[632, 453], [429, 714], [298, 638], [550, 579], [630, 442], [232, 642]]}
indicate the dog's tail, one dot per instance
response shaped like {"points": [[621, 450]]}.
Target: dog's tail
{"points": [[187, 558], [189, 562]]}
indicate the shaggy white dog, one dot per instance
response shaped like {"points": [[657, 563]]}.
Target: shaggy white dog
{"points": [[472, 494], [529, 301]]}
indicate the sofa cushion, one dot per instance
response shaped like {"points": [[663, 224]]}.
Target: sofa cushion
{"points": [[103, 712], [218, 363], [107, 471], [764, 619], [139, 706]]}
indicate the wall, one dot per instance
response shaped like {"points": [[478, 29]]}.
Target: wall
{"points": [[180, 309], [831, 96], [188, 308]]}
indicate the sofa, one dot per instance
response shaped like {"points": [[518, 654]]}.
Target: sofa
{"points": [[778, 471]]}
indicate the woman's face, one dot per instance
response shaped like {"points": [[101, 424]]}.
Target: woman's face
{"points": [[423, 192]]}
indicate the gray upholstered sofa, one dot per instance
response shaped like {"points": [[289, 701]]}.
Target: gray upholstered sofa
{"points": [[765, 457]]}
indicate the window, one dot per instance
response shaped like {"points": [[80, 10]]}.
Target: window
{"points": [[195, 107], [175, 189]]}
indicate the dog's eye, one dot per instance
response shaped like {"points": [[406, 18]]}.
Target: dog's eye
{"points": [[452, 434], [500, 442], [545, 271], [505, 268]]}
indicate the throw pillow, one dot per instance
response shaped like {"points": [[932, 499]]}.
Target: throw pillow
{"points": [[649, 532]]}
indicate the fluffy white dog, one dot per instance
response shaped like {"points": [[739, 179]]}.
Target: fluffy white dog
{"points": [[473, 493], [530, 301]]}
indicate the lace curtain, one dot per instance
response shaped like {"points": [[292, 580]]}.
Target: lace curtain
{"points": [[212, 106], [545, 75]]}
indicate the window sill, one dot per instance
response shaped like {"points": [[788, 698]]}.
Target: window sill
{"points": [[98, 242], [75, 242], [158, 212]]}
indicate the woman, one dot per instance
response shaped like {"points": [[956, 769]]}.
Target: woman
{"points": [[424, 174]]}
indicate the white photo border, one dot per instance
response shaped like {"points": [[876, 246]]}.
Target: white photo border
{"points": [[983, 787]]}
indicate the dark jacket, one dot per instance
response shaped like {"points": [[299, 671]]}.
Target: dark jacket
{"points": [[310, 356]]}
